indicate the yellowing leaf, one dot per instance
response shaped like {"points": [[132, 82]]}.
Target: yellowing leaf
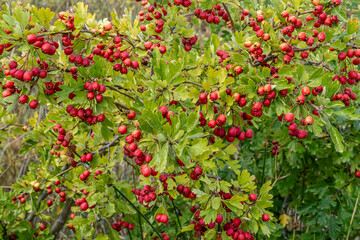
{"points": [[284, 219]]}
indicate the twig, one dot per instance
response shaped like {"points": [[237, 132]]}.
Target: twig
{"points": [[352, 218], [121, 105], [341, 188], [60, 221], [112, 88], [231, 20]]}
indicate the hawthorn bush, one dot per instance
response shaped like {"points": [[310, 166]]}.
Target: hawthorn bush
{"points": [[192, 120]]}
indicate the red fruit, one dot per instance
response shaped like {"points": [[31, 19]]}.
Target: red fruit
{"points": [[162, 49], [265, 217], [257, 106], [23, 98], [86, 173], [267, 88], [68, 50], [42, 73], [309, 120], [221, 118], [132, 147], [42, 227], [99, 98], [214, 96], [321, 37], [289, 117], [9, 84], [284, 47], [164, 218], [305, 91], [148, 158], [90, 95], [31, 38], [122, 129], [301, 99], [252, 197], [261, 90], [131, 115], [203, 97], [158, 217], [357, 174], [6, 93], [304, 55], [163, 177], [169, 115], [49, 202], [212, 123], [219, 219], [12, 64], [342, 56], [249, 133], [84, 206], [89, 157], [198, 171], [145, 170], [33, 104]]}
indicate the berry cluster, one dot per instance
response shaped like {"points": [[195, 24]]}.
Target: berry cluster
{"points": [[353, 77], [293, 127], [162, 218], [185, 191], [276, 148], [85, 115], [189, 42], [211, 16], [146, 195], [147, 171], [345, 96], [118, 225]]}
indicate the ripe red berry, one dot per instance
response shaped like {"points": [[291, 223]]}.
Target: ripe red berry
{"points": [[289, 117], [84, 206], [265, 217], [213, 96], [33, 104], [122, 129], [252, 197], [31, 38], [131, 115], [145, 170]]}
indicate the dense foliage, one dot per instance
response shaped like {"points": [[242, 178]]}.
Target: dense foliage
{"points": [[197, 120]]}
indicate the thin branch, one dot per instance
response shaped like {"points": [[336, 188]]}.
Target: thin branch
{"points": [[112, 88], [352, 218], [121, 105], [228, 13], [60, 221]]}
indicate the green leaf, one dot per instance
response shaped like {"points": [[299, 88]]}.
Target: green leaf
{"points": [[334, 229], [352, 26], [215, 203], [337, 139], [188, 228], [42, 16], [161, 158], [286, 71]]}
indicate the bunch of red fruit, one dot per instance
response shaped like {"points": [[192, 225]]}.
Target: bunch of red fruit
{"points": [[345, 96], [85, 115], [118, 225], [145, 195], [189, 42], [211, 16]]}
